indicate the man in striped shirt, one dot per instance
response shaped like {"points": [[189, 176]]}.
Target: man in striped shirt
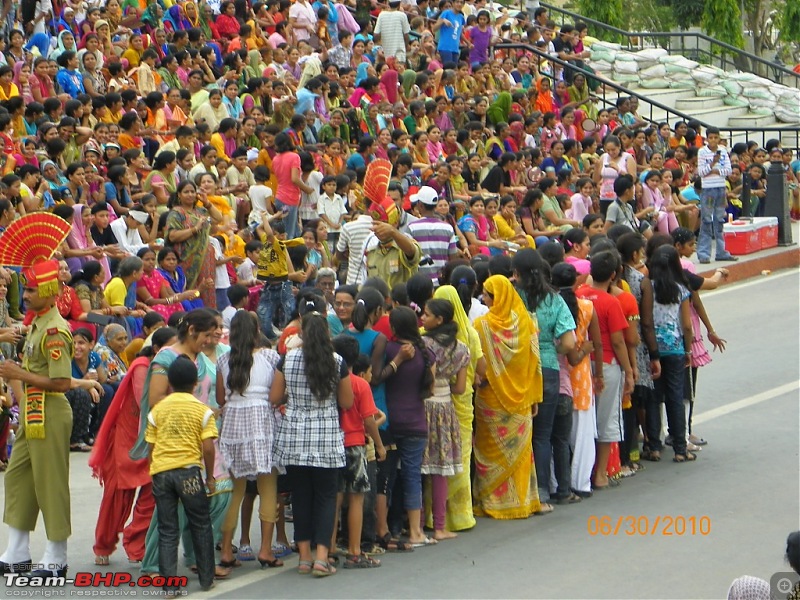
{"points": [[351, 243], [713, 166], [436, 238]]}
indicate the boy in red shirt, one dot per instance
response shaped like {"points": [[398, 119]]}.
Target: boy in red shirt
{"points": [[608, 384], [358, 420]]}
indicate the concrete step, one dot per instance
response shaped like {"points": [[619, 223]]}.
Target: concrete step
{"points": [[716, 116], [690, 105], [751, 120]]}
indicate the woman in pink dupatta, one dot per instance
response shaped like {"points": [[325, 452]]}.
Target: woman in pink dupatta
{"points": [[23, 83], [80, 238], [389, 84]]}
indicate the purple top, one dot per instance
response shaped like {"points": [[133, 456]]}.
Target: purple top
{"points": [[480, 45], [404, 396]]}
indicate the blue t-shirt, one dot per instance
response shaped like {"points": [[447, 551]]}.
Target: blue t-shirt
{"points": [[94, 362], [366, 342], [450, 37], [667, 323], [356, 161]]}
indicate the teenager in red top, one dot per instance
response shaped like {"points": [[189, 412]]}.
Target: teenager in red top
{"points": [[609, 383]]}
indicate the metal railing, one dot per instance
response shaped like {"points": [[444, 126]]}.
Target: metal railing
{"points": [[790, 137], [695, 46]]}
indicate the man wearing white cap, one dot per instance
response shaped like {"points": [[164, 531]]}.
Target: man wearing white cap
{"points": [[126, 230], [436, 238]]}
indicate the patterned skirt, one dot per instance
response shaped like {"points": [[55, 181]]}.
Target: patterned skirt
{"points": [[443, 453], [246, 439]]}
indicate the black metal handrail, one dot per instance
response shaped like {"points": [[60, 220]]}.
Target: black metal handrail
{"points": [[758, 134], [742, 60]]}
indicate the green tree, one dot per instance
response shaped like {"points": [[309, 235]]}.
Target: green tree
{"points": [[790, 22], [688, 13], [610, 12], [722, 19]]}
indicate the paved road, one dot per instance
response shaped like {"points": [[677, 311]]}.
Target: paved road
{"points": [[745, 482]]}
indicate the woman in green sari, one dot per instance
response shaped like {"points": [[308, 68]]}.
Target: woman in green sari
{"points": [[579, 92], [337, 127], [459, 486], [187, 230], [500, 109]]}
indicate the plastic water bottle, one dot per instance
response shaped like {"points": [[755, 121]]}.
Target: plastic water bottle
{"points": [[11, 439]]}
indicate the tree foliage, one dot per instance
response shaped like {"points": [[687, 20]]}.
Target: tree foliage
{"points": [[610, 12], [790, 22], [688, 13], [722, 19]]}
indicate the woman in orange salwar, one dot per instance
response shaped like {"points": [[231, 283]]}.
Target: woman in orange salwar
{"points": [[119, 475], [505, 483]]}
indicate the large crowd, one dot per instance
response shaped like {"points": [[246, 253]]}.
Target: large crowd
{"points": [[333, 255]]}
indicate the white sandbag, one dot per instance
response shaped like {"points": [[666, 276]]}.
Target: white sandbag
{"points": [[602, 66], [787, 116], [682, 85], [742, 76], [678, 68], [761, 103], [608, 45], [625, 77], [650, 54], [624, 56], [654, 83], [657, 70], [705, 76], [631, 67], [761, 111], [678, 61], [712, 91], [734, 101], [680, 76], [732, 87], [604, 54], [762, 93], [790, 99]]}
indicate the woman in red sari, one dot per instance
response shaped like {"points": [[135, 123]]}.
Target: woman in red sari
{"points": [[155, 291], [68, 303], [118, 474]]}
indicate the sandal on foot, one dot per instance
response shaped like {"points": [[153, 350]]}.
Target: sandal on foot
{"points": [[272, 564], [221, 572], [372, 549], [426, 542], [682, 458], [697, 441], [245, 553], [544, 509], [229, 564], [304, 568], [393, 545], [651, 455], [281, 550], [101, 561], [322, 568], [361, 561], [571, 499]]}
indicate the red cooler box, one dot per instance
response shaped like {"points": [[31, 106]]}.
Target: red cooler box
{"points": [[767, 228], [741, 237]]}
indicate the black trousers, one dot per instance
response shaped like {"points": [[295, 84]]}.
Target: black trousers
{"points": [[313, 503], [187, 487]]}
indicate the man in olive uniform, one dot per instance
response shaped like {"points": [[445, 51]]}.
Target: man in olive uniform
{"points": [[37, 478]]}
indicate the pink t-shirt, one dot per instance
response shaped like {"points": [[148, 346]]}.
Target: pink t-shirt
{"points": [[282, 166], [582, 266]]}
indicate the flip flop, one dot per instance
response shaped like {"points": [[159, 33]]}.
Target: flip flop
{"points": [[544, 509], [428, 542]]}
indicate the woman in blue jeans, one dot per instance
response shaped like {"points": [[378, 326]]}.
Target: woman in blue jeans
{"points": [[556, 336], [409, 379]]}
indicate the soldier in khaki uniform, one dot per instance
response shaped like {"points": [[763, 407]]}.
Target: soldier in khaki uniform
{"points": [[37, 478]]}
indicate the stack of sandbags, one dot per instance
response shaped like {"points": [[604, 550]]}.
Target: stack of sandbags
{"points": [[788, 108], [625, 69], [679, 71], [708, 81], [652, 73]]}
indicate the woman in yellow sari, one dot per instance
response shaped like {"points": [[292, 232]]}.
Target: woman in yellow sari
{"points": [[505, 481], [459, 487]]}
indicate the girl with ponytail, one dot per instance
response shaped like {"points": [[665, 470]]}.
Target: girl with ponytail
{"points": [[420, 290], [442, 457], [465, 281], [247, 434], [313, 382], [409, 377]]}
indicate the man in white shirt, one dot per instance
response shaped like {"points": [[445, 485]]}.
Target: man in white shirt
{"points": [[713, 166], [351, 243], [392, 29], [126, 230]]}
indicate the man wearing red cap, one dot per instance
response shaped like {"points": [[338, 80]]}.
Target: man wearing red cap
{"points": [[37, 478]]}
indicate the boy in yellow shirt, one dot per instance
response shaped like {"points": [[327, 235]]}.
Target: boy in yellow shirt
{"points": [[181, 432]]}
